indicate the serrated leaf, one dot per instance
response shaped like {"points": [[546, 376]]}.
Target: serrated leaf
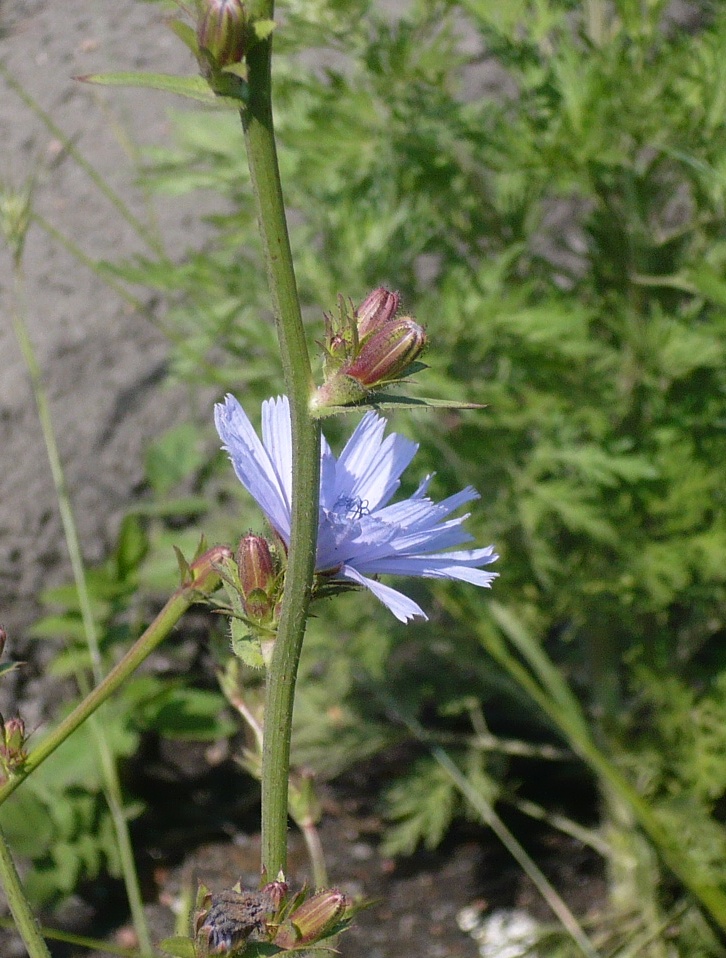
{"points": [[193, 88]]}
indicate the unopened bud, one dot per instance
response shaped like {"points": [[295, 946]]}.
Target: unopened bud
{"points": [[275, 892], [313, 919], [223, 30], [388, 352], [12, 746], [257, 576], [3, 640], [203, 573], [378, 308], [14, 735]]}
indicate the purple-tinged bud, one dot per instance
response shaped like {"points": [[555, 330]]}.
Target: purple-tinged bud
{"points": [[275, 892], [377, 309], [257, 575], [388, 352], [203, 573], [3, 639], [313, 920], [223, 30]]}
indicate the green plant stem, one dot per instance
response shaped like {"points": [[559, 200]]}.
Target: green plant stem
{"points": [[112, 785], [205, 581], [22, 914], [311, 837], [80, 941], [262, 158]]}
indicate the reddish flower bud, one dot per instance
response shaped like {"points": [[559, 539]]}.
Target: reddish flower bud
{"points": [[257, 574], [378, 308], [203, 572], [313, 919], [276, 892], [222, 30], [388, 351]]}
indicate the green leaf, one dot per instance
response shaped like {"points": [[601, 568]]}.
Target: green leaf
{"points": [[27, 824], [388, 401], [178, 947], [133, 544], [193, 88], [173, 457], [186, 714], [245, 645], [422, 806], [186, 33]]}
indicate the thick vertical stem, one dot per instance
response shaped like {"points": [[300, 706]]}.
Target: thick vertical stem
{"points": [[262, 159]]}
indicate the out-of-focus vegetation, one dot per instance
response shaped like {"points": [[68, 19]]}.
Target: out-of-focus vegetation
{"points": [[544, 182]]}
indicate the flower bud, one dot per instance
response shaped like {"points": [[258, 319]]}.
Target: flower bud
{"points": [[222, 30], [203, 572], [257, 576], [3, 639], [275, 893], [12, 746], [388, 352], [378, 308], [313, 919]]}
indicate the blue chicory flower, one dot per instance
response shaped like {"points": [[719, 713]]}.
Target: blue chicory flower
{"points": [[360, 533]]}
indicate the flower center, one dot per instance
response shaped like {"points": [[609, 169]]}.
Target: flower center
{"points": [[352, 507]]}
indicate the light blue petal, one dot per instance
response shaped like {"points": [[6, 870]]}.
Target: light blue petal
{"points": [[369, 467], [252, 464], [277, 440], [405, 609], [446, 565]]}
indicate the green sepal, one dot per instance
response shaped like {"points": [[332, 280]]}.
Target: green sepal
{"points": [[237, 69], [193, 88], [263, 28], [185, 572]]}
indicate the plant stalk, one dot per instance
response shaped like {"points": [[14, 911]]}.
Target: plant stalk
{"points": [[265, 176], [112, 785], [22, 914], [205, 580]]}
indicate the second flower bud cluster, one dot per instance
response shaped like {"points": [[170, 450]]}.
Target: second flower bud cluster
{"points": [[367, 348]]}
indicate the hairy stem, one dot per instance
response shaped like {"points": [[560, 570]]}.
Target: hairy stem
{"points": [[265, 176]]}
